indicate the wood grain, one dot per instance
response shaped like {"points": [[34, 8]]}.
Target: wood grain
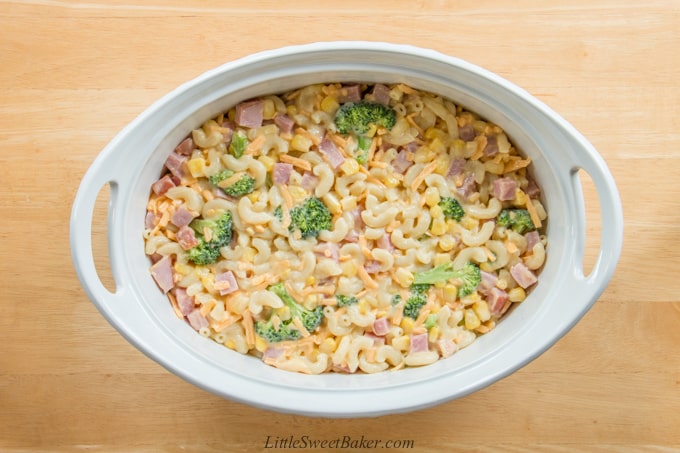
{"points": [[74, 73]]}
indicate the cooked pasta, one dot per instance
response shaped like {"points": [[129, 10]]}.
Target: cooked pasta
{"points": [[285, 230]]}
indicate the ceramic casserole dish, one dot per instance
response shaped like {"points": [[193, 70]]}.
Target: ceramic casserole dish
{"points": [[133, 160]]}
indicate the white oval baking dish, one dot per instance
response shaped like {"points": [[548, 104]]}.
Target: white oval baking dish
{"points": [[138, 310]]}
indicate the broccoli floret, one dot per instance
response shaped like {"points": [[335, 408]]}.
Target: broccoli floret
{"points": [[469, 276], [273, 333], [239, 142], [212, 234], [364, 144], [414, 303], [311, 217], [243, 186], [357, 117], [311, 319], [343, 300], [519, 220], [451, 208], [278, 213]]}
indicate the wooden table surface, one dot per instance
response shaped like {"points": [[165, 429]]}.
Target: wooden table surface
{"points": [[74, 73]]}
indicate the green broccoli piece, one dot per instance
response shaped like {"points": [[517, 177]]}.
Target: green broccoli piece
{"points": [[451, 208], [311, 319], [274, 334], [519, 220], [220, 230], [362, 150], [396, 299], [344, 301], [469, 276], [414, 303], [357, 117], [243, 186], [278, 213], [311, 217], [239, 142], [430, 321]]}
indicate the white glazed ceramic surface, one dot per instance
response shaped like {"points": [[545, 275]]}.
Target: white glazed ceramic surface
{"points": [[137, 309]]}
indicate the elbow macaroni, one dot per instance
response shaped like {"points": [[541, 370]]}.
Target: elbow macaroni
{"points": [[386, 227]]}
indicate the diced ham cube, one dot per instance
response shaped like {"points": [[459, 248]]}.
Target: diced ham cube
{"points": [[176, 163], [272, 353], [401, 163], [330, 153], [381, 326], [226, 283], [186, 237], [282, 172], [349, 94], [532, 190], [489, 281], [328, 250], [523, 275], [309, 181], [381, 94], [163, 185], [150, 220], [491, 148], [385, 242], [196, 319], [285, 123], [496, 300], [184, 301], [249, 113], [162, 273], [456, 167], [468, 187], [504, 189], [466, 133], [372, 266], [181, 217], [186, 147], [418, 343], [532, 238]]}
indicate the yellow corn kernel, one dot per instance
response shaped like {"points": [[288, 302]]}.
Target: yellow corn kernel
{"points": [[471, 320], [371, 132], [450, 292], [438, 226], [329, 104], [424, 155], [443, 164], [432, 133], [469, 223], [517, 294], [401, 343], [470, 299], [407, 324], [254, 196], [447, 242], [441, 258], [268, 109], [300, 143], [349, 268], [350, 167], [404, 277], [196, 166], [436, 211], [481, 308], [291, 110], [260, 344], [391, 181], [298, 193], [433, 334], [267, 161], [328, 345], [182, 268], [432, 197], [311, 280], [520, 198], [364, 306], [437, 146]]}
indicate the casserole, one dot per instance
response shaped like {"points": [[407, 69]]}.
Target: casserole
{"points": [[134, 158]]}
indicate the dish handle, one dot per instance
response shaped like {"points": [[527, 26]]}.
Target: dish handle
{"points": [[97, 177], [589, 160]]}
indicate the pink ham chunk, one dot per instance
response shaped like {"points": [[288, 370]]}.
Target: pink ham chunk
{"points": [[184, 301], [249, 113], [381, 327], [162, 273], [523, 275], [401, 163], [418, 343], [496, 299], [466, 133], [349, 94], [186, 147], [489, 281], [196, 319], [226, 283], [468, 187], [176, 163], [456, 167], [447, 347], [330, 153], [381, 94], [282, 172], [532, 238], [372, 266], [285, 123], [163, 185], [150, 220], [309, 181], [186, 237], [504, 189], [181, 217], [328, 250], [491, 148]]}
